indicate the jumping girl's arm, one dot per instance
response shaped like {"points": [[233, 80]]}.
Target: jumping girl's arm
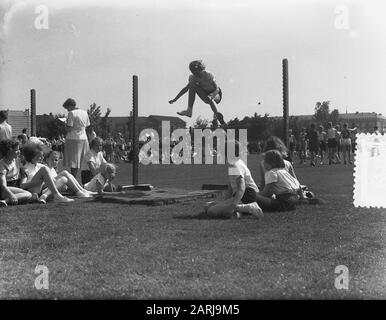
{"points": [[180, 94]]}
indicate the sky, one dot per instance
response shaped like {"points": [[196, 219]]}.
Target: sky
{"points": [[89, 50]]}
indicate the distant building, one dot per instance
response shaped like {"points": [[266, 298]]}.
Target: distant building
{"points": [[19, 120], [124, 124], [364, 121]]}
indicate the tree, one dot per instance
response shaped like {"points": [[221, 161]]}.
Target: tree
{"points": [[49, 126], [104, 124], [322, 112], [201, 123], [94, 113], [100, 125]]}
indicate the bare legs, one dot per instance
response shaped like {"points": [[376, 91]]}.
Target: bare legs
{"points": [[43, 175], [195, 89]]}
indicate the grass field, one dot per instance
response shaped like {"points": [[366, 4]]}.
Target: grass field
{"points": [[101, 250]]}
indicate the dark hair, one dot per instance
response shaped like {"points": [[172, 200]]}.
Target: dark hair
{"points": [[275, 143], [274, 158], [7, 145], [24, 130], [3, 115], [196, 65], [31, 150], [69, 103], [312, 126], [94, 141]]}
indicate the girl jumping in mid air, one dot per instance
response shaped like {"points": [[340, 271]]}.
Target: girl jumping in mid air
{"points": [[202, 83]]}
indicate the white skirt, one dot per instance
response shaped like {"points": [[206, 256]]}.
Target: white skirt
{"points": [[74, 152]]}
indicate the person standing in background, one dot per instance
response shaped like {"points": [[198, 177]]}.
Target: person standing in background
{"points": [[76, 145], [5, 128]]}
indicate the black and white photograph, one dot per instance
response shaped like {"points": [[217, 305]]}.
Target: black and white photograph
{"points": [[192, 150]]}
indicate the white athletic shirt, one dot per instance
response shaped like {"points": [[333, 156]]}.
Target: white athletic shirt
{"points": [[11, 171], [282, 181], [78, 121], [31, 169], [331, 133], [95, 157], [92, 185], [240, 169]]}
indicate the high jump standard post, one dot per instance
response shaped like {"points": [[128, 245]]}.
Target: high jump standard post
{"points": [[134, 133], [285, 101]]}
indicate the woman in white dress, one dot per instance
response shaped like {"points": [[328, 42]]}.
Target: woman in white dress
{"points": [[76, 145]]}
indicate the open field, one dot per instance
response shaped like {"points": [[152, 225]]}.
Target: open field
{"points": [[101, 250]]}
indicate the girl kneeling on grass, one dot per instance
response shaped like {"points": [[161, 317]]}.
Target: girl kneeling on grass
{"points": [[92, 161], [37, 173], [241, 195], [10, 191], [278, 182], [64, 180]]}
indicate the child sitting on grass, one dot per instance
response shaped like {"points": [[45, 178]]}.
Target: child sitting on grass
{"points": [[240, 197], [278, 182], [275, 143], [92, 161], [64, 180], [38, 174], [102, 182], [10, 191]]}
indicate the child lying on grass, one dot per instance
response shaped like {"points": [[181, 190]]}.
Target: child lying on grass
{"points": [[240, 197]]}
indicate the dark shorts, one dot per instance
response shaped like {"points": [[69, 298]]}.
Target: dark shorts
{"points": [[14, 183], [249, 196], [283, 202], [313, 147], [332, 143], [86, 176], [322, 145]]}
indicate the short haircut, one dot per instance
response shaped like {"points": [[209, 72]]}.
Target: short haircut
{"points": [[95, 141], [69, 103], [108, 167], [31, 150], [196, 65], [274, 158], [51, 152], [6, 146], [3, 115], [275, 143]]}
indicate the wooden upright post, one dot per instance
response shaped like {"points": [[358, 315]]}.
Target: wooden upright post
{"points": [[285, 102], [33, 113], [134, 130]]}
